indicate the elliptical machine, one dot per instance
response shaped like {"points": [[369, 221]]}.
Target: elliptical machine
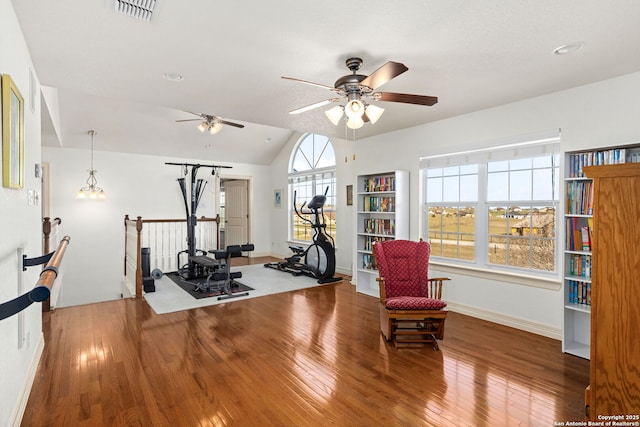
{"points": [[318, 260]]}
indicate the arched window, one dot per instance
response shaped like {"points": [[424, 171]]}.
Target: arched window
{"points": [[312, 171]]}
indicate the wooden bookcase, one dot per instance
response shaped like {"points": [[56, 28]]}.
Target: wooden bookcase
{"points": [[615, 297], [382, 214]]}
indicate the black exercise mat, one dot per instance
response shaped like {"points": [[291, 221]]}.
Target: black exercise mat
{"points": [[189, 286]]}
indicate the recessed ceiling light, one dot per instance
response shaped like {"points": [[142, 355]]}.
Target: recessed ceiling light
{"points": [[173, 77], [566, 49]]}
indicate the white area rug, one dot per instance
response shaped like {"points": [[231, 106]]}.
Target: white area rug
{"points": [[169, 297]]}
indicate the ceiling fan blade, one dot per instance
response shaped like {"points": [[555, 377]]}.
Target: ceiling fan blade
{"points": [[312, 106], [383, 74], [189, 120], [238, 125], [310, 83], [406, 98]]}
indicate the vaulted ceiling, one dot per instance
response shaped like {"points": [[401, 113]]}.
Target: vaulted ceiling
{"points": [[107, 68]]}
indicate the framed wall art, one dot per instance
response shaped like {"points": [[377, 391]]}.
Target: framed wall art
{"points": [[277, 198], [12, 134]]}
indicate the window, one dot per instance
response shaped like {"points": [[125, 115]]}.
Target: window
{"points": [[312, 172], [494, 207]]}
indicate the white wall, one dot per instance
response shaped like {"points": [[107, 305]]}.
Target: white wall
{"points": [[136, 185], [595, 115], [20, 227]]}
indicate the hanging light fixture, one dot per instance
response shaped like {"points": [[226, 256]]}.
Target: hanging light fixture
{"points": [[215, 127], [354, 108], [91, 190], [335, 114], [355, 111], [374, 113], [211, 124]]}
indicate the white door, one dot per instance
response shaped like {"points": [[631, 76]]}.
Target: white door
{"points": [[236, 212]]}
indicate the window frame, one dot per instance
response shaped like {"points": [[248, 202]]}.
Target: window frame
{"points": [[313, 175], [526, 147]]}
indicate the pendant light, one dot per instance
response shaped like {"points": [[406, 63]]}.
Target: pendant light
{"points": [[91, 190]]}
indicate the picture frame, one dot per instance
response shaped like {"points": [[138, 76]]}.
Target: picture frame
{"points": [[277, 198], [12, 134], [349, 195]]}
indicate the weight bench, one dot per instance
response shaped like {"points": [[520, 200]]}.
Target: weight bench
{"points": [[221, 278]]}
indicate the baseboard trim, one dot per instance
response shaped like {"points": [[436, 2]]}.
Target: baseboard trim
{"points": [[506, 320], [18, 413]]}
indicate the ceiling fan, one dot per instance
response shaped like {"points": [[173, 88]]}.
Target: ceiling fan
{"points": [[358, 89], [211, 123]]}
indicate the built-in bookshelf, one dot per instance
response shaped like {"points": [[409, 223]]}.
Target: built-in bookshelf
{"points": [[382, 214], [578, 233]]}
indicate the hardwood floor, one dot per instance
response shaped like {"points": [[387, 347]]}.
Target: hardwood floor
{"points": [[305, 358]]}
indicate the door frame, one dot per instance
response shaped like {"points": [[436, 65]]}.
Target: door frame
{"points": [[249, 180]]}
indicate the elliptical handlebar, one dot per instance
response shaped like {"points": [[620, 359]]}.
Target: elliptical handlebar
{"points": [[316, 208]]}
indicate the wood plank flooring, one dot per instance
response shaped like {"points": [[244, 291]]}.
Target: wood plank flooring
{"points": [[313, 357]]}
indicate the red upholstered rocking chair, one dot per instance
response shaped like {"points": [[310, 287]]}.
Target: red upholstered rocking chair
{"points": [[411, 308]]}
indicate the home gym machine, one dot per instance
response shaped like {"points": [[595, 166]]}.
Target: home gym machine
{"points": [[197, 265], [221, 278], [318, 260]]}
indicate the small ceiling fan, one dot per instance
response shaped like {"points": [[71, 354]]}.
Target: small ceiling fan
{"points": [[211, 123], [358, 89]]}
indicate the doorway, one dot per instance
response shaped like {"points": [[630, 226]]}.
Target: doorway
{"points": [[234, 211]]}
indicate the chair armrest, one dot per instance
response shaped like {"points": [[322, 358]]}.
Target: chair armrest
{"points": [[383, 290], [434, 287]]}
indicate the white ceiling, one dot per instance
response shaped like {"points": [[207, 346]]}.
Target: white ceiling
{"points": [[472, 54]]}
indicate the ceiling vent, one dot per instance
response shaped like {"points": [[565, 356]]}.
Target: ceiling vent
{"points": [[139, 9]]}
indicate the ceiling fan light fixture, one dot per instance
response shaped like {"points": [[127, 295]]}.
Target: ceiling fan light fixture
{"points": [[335, 114], [203, 126], [374, 113], [354, 108], [355, 123], [215, 127]]}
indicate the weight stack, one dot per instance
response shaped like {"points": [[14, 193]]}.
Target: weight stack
{"points": [[148, 284]]}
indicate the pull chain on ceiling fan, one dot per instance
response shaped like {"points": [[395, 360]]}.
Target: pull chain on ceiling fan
{"points": [[358, 89]]}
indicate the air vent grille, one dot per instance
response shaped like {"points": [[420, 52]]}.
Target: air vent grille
{"points": [[139, 9]]}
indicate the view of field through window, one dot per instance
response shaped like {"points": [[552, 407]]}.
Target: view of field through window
{"points": [[499, 212], [518, 237]]}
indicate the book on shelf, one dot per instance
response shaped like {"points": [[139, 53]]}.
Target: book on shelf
{"points": [[580, 198], [379, 204], [586, 238], [578, 234], [580, 265], [577, 161], [381, 183], [369, 240], [579, 292], [379, 226], [369, 262]]}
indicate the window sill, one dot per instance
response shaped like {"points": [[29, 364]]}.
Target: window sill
{"points": [[553, 284]]}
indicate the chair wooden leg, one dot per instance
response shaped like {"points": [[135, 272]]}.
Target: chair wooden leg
{"points": [[386, 326], [407, 331]]}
